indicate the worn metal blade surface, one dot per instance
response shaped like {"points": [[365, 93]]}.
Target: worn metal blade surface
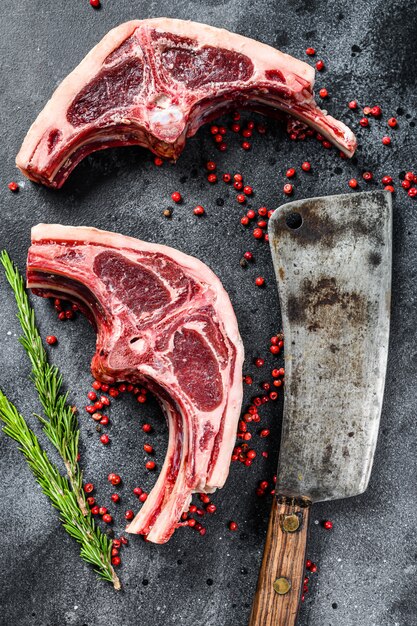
{"points": [[334, 283]]}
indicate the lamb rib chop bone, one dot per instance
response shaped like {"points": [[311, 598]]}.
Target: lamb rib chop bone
{"points": [[154, 83], [164, 321]]}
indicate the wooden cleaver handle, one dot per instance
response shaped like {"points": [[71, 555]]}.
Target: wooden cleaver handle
{"points": [[282, 572]]}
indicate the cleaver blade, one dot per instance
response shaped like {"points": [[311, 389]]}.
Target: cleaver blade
{"points": [[332, 259]]}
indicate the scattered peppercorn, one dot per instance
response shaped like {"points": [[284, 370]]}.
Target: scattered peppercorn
{"points": [[13, 186], [51, 340], [176, 196]]}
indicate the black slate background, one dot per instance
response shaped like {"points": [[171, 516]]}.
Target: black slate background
{"points": [[367, 564]]}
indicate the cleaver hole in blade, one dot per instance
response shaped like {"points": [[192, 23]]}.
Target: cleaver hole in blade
{"points": [[294, 221]]}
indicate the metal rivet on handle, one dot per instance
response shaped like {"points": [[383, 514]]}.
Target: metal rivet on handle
{"points": [[282, 586], [290, 523]]}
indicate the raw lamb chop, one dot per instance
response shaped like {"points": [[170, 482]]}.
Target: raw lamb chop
{"points": [[154, 83], [164, 321]]}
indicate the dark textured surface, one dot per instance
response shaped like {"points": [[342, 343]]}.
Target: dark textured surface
{"points": [[368, 563]]}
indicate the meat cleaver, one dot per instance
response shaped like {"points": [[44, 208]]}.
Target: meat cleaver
{"points": [[332, 259]]}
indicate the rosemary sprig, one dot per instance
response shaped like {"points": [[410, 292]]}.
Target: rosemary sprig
{"points": [[61, 427]]}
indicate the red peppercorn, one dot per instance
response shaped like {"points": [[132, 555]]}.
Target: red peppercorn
{"points": [[69, 315], [367, 110], [376, 111], [251, 214], [364, 122], [13, 186], [319, 66], [353, 183], [199, 210], [143, 496], [392, 122], [260, 281], [222, 147], [115, 497], [176, 196], [129, 514], [150, 465], [227, 178], [211, 508], [367, 176], [116, 560], [95, 4], [211, 166], [259, 362], [323, 93], [328, 525], [212, 178], [241, 198], [96, 385], [148, 448], [306, 166], [238, 177], [389, 188], [92, 396], [310, 52], [95, 510], [218, 138], [353, 104], [61, 316], [238, 185], [91, 501], [246, 145], [235, 128], [308, 564], [244, 220], [51, 340], [107, 518], [88, 487], [124, 541], [248, 190], [290, 172], [104, 420], [114, 479], [232, 526], [264, 433], [262, 224], [386, 140], [405, 184], [246, 132], [313, 568], [258, 233], [158, 161], [288, 189], [412, 192], [105, 439], [409, 176], [103, 510], [386, 180]]}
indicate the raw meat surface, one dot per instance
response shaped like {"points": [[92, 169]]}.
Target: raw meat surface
{"points": [[164, 321], [154, 83]]}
